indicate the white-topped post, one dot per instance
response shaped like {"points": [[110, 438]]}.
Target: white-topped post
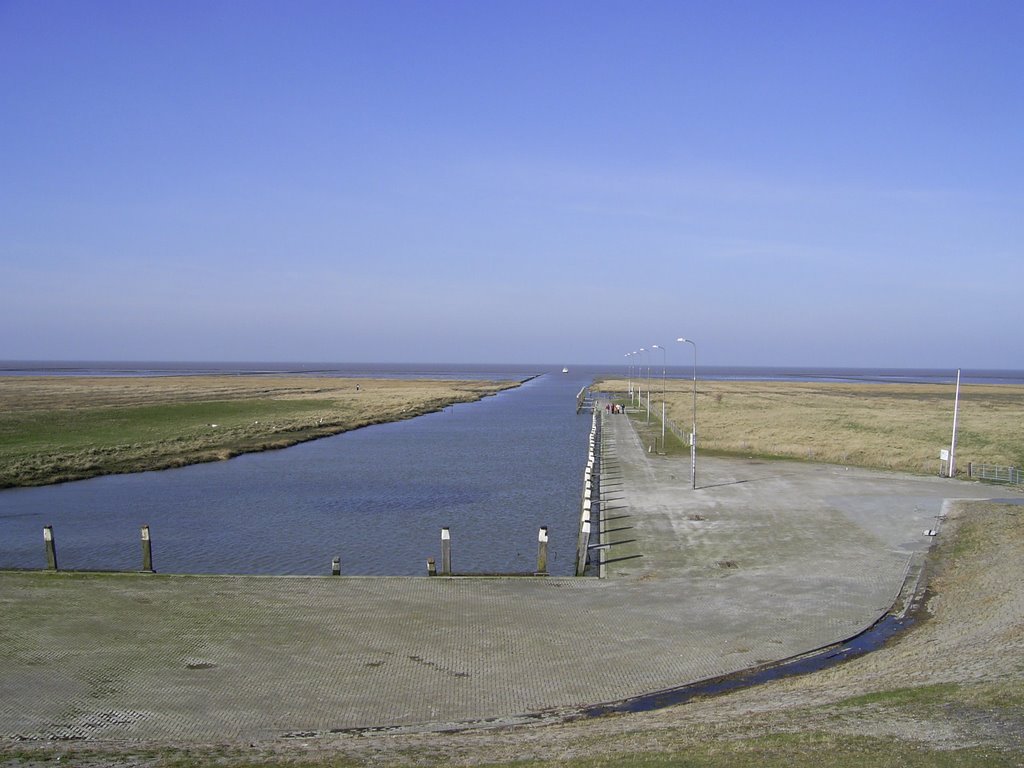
{"points": [[542, 551], [584, 546], [147, 550], [51, 547], [664, 364], [446, 552]]}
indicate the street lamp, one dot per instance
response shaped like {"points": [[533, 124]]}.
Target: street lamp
{"points": [[956, 413], [693, 434], [647, 358], [636, 375], [629, 373], [664, 358]]}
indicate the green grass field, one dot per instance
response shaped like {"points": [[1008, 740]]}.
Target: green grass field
{"points": [[35, 432]]}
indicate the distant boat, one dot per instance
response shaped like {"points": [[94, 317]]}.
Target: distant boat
{"points": [[565, 370]]}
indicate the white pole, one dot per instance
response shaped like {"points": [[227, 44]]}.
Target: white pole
{"points": [[664, 360], [647, 360], [629, 373], [693, 437], [648, 386], [636, 376], [956, 413], [693, 433], [664, 363]]}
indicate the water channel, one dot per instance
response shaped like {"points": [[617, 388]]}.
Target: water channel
{"points": [[492, 471]]}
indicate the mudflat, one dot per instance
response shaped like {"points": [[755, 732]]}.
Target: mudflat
{"points": [[54, 429]]}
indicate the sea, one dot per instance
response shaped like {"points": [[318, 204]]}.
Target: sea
{"points": [[504, 371]]}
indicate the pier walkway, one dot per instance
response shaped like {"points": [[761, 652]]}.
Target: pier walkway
{"points": [[761, 562]]}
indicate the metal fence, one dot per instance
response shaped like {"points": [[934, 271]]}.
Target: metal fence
{"points": [[671, 426], [999, 474]]}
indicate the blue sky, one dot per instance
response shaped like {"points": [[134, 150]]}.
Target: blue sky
{"points": [[788, 183]]}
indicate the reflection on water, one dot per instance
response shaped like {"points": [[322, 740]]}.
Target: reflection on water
{"points": [[493, 471]]}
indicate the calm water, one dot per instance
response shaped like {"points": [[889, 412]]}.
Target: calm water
{"points": [[492, 471]]}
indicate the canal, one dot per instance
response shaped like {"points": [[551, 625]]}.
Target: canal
{"points": [[492, 471]]}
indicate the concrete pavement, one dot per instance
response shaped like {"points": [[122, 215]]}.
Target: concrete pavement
{"points": [[762, 562]]}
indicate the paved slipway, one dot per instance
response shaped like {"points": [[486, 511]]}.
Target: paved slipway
{"points": [[763, 561]]}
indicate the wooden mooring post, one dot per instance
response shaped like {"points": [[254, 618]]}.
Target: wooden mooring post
{"points": [[51, 547], [147, 550], [583, 548], [446, 552], [542, 551]]}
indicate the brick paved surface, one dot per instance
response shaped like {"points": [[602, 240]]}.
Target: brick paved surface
{"points": [[761, 562]]}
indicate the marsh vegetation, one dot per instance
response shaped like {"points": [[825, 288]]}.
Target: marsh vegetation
{"points": [[54, 429], [886, 426]]}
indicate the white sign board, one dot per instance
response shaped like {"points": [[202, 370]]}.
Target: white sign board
{"points": [[944, 454]]}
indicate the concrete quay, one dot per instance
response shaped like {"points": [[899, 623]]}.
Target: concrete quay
{"points": [[763, 561]]}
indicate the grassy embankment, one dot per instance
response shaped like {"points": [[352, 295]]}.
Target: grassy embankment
{"points": [[887, 426], [54, 429]]}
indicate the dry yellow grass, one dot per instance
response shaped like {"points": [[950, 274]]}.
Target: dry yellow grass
{"points": [[54, 429], [890, 426]]}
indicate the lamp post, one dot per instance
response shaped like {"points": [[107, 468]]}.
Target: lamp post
{"points": [[632, 391], [629, 373], [637, 372], [647, 358], [956, 413], [693, 434], [664, 359]]}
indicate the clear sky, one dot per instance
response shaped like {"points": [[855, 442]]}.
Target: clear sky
{"points": [[788, 183]]}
